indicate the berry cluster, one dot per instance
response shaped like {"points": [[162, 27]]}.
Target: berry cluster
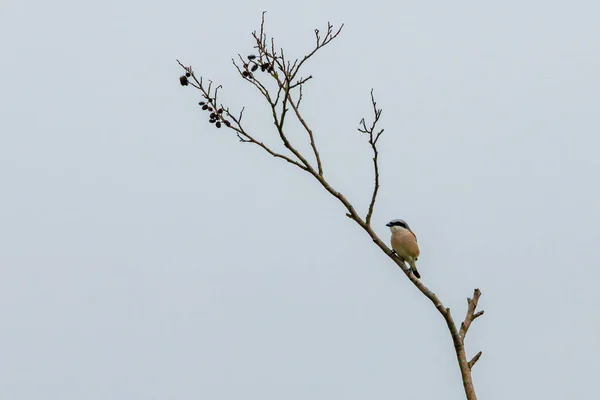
{"points": [[252, 66], [216, 115], [183, 79]]}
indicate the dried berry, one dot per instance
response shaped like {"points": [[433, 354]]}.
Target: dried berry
{"points": [[245, 74], [245, 66], [218, 124], [183, 80], [262, 68], [251, 57], [205, 107], [188, 74], [254, 67], [266, 65], [202, 103], [220, 111], [270, 69], [213, 115], [227, 123], [212, 121]]}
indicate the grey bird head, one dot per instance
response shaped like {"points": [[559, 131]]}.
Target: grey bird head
{"points": [[398, 222]]}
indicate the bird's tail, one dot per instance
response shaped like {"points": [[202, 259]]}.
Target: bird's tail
{"points": [[413, 268]]}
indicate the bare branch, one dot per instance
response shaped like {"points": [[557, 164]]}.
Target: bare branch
{"points": [[299, 98], [310, 135], [474, 360], [284, 71], [300, 82], [471, 315], [247, 138], [321, 42], [243, 136], [289, 71], [279, 121], [248, 76], [373, 138]]}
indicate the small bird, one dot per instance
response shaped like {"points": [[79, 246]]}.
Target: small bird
{"points": [[404, 243]]}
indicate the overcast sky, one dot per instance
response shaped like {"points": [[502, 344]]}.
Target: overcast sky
{"points": [[146, 255]]}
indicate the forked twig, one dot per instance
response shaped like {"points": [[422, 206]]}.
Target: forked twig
{"points": [[373, 138], [471, 314]]}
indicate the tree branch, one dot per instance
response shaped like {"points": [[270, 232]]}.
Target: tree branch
{"points": [[242, 134], [321, 42], [474, 360], [373, 138], [310, 134], [284, 72], [289, 72], [471, 315]]}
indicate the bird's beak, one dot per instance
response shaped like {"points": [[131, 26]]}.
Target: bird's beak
{"points": [[388, 224]]}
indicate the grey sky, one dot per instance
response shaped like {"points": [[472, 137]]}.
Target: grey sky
{"points": [[147, 256]]}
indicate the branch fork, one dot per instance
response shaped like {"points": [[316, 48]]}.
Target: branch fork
{"points": [[373, 138], [471, 316]]}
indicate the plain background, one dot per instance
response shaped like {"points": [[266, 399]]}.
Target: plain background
{"points": [[146, 255]]}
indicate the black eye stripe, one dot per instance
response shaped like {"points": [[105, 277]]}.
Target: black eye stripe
{"points": [[399, 223]]}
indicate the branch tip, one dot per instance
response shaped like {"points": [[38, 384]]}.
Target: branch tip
{"points": [[474, 360], [471, 314]]}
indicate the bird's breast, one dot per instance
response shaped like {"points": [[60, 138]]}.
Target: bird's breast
{"points": [[405, 244]]}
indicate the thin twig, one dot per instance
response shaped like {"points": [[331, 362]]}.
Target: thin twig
{"points": [[299, 98], [329, 36], [286, 86], [474, 360], [310, 135], [471, 315], [247, 138], [241, 133], [300, 82], [279, 121], [373, 138], [250, 78]]}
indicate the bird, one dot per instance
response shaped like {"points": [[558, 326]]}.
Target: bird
{"points": [[404, 243]]}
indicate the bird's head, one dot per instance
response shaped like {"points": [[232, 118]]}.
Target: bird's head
{"points": [[397, 224]]}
